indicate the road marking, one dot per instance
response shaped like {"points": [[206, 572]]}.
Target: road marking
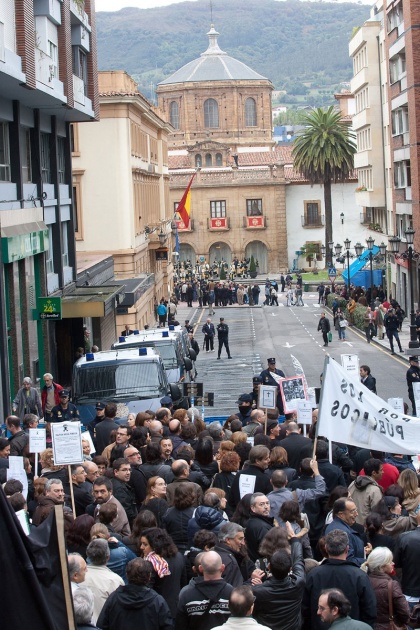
{"points": [[349, 344], [288, 345]]}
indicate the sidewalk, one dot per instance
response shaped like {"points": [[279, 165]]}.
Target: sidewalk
{"points": [[384, 343]]}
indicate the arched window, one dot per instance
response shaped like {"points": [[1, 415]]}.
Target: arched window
{"points": [[209, 161], [198, 161], [250, 113], [174, 114], [219, 159], [211, 113]]}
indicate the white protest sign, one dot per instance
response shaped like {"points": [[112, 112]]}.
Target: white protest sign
{"points": [[87, 436], [304, 412], [397, 404], [350, 363], [246, 484], [66, 443], [37, 440], [292, 391], [267, 396], [416, 392], [15, 463], [22, 517], [352, 414], [312, 396], [20, 475]]}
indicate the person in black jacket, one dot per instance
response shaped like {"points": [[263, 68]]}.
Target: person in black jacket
{"points": [[209, 333], [392, 324], [223, 337], [338, 572], [333, 475], [121, 488], [138, 480], [259, 524], [325, 327], [135, 605], [259, 459], [412, 376], [278, 600], [367, 379], [82, 498]]}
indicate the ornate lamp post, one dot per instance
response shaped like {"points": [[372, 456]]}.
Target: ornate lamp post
{"points": [[358, 248], [410, 254]]}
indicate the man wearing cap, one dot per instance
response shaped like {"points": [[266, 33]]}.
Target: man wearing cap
{"points": [[268, 379], [65, 410], [413, 376], [223, 336], [256, 382], [244, 403], [166, 402], [273, 432], [209, 332], [100, 414]]}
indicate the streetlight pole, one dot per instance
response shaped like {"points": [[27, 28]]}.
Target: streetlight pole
{"points": [[410, 254], [370, 243]]}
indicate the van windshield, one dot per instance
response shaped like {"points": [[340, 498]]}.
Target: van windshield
{"points": [[118, 381]]}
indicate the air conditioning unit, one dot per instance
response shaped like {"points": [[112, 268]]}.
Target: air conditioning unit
{"points": [[151, 168]]}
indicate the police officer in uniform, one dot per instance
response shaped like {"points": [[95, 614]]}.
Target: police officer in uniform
{"points": [[223, 337], [413, 376], [267, 379], [100, 415], [65, 410]]}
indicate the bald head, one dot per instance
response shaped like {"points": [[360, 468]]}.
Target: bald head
{"points": [[155, 428], [258, 415], [180, 468], [212, 566], [292, 427], [175, 427]]}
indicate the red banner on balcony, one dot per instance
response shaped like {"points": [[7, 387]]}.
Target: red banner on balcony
{"points": [[219, 224], [255, 222], [181, 225]]}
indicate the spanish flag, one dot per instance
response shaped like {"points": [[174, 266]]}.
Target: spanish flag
{"points": [[184, 205]]}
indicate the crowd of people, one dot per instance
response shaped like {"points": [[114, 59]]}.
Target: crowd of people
{"points": [[179, 524]]}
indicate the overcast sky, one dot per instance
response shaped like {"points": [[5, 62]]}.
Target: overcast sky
{"points": [[115, 5]]}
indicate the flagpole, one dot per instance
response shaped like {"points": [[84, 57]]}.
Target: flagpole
{"points": [[321, 396]]}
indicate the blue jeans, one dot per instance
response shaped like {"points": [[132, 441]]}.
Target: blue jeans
{"points": [[391, 334], [341, 332]]}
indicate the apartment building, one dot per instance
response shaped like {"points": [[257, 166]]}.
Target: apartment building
{"points": [[47, 81]]}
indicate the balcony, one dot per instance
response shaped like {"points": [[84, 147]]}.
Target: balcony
{"points": [[78, 90], [181, 226], [254, 223], [366, 218], [218, 224], [313, 222]]}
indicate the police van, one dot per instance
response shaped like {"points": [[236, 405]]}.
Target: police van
{"points": [[135, 379], [176, 355]]}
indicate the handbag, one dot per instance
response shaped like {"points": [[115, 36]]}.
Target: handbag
{"points": [[343, 323], [330, 337]]}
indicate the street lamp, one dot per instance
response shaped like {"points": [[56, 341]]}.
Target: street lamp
{"points": [[341, 259], [410, 254]]}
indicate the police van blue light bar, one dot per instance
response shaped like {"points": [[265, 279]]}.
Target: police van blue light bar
{"points": [[90, 356], [165, 333], [171, 327], [136, 332], [121, 339], [142, 351]]}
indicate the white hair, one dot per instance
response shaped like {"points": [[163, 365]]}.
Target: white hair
{"points": [[379, 557], [27, 379], [83, 605], [48, 375]]}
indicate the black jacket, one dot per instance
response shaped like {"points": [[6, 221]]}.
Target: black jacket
{"points": [[256, 529], [81, 498], [324, 325], [348, 577], [370, 383], [278, 602], [17, 442], [222, 332], [298, 447], [138, 481], [170, 586], [103, 432], [262, 484], [132, 607], [176, 524], [125, 495], [333, 475], [232, 573], [194, 600], [407, 557]]}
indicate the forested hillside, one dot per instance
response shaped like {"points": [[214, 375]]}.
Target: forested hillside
{"points": [[289, 42]]}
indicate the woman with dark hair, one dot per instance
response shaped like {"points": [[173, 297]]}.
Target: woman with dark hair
{"points": [[155, 500], [290, 512], [203, 540], [175, 520], [204, 457], [189, 434], [375, 532], [229, 466], [144, 520], [169, 574], [243, 451], [243, 511], [279, 461], [78, 534], [274, 540], [39, 491], [101, 463], [393, 524], [153, 465], [140, 439], [339, 492]]}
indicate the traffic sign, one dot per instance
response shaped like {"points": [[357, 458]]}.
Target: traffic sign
{"points": [[49, 308], [332, 271]]}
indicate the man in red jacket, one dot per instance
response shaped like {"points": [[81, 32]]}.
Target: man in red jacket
{"points": [[50, 395]]}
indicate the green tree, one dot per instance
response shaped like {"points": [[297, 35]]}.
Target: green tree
{"points": [[323, 152]]}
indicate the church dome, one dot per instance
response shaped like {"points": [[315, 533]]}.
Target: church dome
{"points": [[213, 65]]}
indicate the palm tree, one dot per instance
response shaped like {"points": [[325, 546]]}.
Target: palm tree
{"points": [[323, 152]]}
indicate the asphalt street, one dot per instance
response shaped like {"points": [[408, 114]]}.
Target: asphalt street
{"points": [[289, 334]]}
